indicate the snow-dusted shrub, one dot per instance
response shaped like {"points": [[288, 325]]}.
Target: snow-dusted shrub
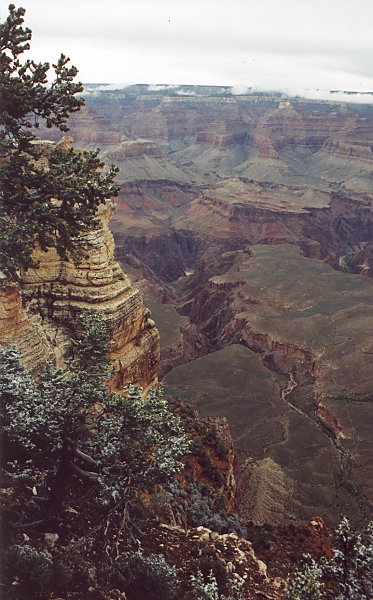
{"points": [[146, 577], [351, 568], [69, 423], [204, 510], [207, 588], [32, 568], [348, 575], [306, 584], [137, 440]]}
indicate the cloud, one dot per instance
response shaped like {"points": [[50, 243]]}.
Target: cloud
{"points": [[105, 87], [240, 90], [159, 87], [262, 43]]}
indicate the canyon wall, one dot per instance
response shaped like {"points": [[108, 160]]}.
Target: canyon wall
{"points": [[38, 317], [245, 220], [301, 384]]}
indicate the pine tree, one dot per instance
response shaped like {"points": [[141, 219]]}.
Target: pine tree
{"points": [[71, 425], [348, 575], [49, 207], [306, 584], [350, 570]]}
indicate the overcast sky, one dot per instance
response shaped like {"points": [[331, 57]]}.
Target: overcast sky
{"points": [[271, 44]]}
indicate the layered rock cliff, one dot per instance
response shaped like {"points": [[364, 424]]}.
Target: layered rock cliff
{"points": [[21, 329], [39, 317]]}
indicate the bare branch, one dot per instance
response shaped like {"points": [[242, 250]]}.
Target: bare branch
{"points": [[90, 475], [85, 458]]}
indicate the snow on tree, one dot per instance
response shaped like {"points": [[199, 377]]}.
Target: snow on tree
{"points": [[348, 575], [70, 424]]}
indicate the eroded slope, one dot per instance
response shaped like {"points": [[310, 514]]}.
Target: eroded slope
{"points": [[306, 392]]}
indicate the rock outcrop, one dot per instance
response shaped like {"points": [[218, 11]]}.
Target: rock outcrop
{"points": [[282, 548], [89, 127], [55, 292], [206, 115], [22, 330], [362, 152], [227, 552]]}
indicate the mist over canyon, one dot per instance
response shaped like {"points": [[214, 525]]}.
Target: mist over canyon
{"points": [[247, 223]]}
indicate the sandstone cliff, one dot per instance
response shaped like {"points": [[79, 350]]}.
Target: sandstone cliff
{"points": [[21, 329], [41, 323]]}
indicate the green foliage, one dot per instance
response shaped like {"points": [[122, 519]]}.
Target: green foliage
{"points": [[138, 440], [32, 568], [306, 584], [69, 442], [35, 573], [50, 206], [207, 588], [351, 568], [25, 410], [90, 347], [213, 440], [71, 424], [146, 577], [348, 575], [25, 96], [209, 470], [204, 510], [37, 419]]}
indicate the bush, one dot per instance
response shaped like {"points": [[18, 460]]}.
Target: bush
{"points": [[306, 584], [348, 575], [213, 440], [72, 425], [32, 568], [207, 588], [146, 577], [202, 510]]}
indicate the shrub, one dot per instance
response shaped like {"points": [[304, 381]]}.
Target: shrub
{"points": [[146, 577], [348, 575], [306, 584], [70, 424], [202, 510], [206, 588], [32, 568]]}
